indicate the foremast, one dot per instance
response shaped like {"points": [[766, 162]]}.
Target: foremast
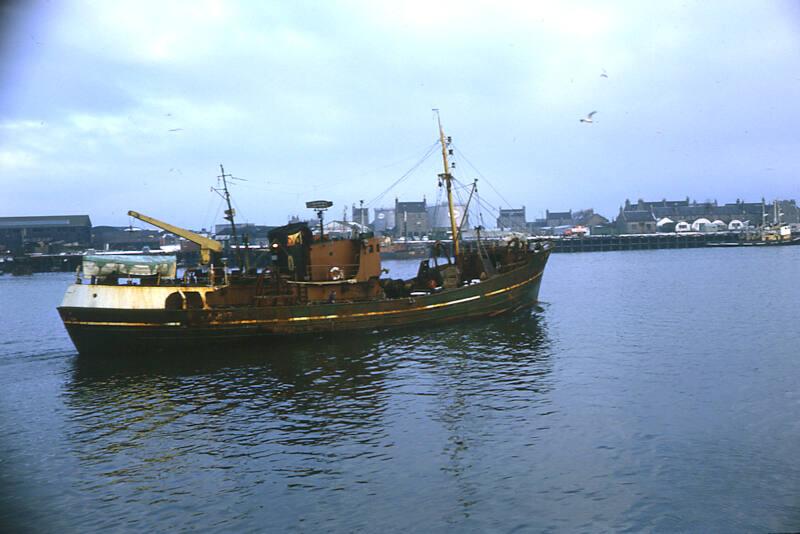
{"points": [[448, 180], [230, 213]]}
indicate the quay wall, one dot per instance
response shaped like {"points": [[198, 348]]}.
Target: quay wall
{"points": [[598, 243], [603, 243]]}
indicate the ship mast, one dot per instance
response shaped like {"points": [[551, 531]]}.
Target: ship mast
{"points": [[230, 212], [448, 179]]}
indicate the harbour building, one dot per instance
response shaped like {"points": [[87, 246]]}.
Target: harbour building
{"points": [[686, 215], [45, 234], [384, 221], [439, 217], [411, 219], [512, 219]]}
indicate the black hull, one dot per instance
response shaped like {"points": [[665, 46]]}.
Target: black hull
{"points": [[112, 331]]}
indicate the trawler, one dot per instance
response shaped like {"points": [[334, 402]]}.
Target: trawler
{"points": [[314, 285]]}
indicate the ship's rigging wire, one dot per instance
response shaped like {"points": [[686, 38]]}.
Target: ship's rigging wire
{"points": [[461, 155], [428, 152], [435, 217], [209, 205], [478, 207], [212, 228], [210, 223], [479, 203], [457, 189]]}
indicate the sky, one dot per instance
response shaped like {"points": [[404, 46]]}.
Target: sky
{"points": [[111, 106]]}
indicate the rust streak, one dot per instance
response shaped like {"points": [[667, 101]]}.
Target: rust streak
{"points": [[316, 317], [109, 323]]}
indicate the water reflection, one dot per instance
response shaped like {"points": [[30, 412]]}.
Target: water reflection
{"points": [[496, 379], [320, 414], [291, 393]]}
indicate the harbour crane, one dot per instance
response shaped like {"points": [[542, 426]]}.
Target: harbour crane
{"points": [[207, 245]]}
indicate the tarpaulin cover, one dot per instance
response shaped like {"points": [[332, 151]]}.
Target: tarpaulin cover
{"points": [[96, 265]]}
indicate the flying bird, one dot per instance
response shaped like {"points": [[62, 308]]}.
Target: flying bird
{"points": [[589, 117], [604, 75], [175, 130]]}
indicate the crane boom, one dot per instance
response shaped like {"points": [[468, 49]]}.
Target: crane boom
{"points": [[207, 245]]}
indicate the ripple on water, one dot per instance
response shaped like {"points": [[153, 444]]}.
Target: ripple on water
{"points": [[654, 391]]}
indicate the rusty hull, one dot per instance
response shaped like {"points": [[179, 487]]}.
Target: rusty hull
{"points": [[113, 330]]}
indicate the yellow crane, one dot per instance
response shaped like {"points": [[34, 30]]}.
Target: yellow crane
{"points": [[207, 246]]}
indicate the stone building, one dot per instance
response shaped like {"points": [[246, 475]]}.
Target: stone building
{"points": [[125, 238], [678, 215], [588, 218], [360, 215], [636, 222], [47, 234], [559, 222], [558, 218], [411, 219], [686, 215], [512, 219]]}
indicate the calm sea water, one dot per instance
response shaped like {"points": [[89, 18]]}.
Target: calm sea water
{"points": [[653, 391]]}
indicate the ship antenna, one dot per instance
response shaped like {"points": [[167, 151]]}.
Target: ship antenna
{"points": [[230, 212], [447, 178]]}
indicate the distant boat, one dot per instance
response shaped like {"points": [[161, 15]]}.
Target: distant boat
{"points": [[315, 285], [767, 236]]}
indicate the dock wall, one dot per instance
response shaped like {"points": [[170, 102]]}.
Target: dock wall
{"points": [[603, 243]]}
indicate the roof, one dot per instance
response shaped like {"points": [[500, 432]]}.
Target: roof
{"points": [[693, 210], [45, 221], [588, 217], [411, 207], [667, 203], [559, 214], [637, 216], [512, 212]]}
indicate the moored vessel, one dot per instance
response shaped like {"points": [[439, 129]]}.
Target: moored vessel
{"points": [[314, 285]]}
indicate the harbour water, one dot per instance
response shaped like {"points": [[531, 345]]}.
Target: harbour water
{"points": [[652, 390]]}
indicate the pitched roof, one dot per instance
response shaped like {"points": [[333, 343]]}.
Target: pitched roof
{"points": [[411, 207], [637, 216], [668, 203], [589, 216], [559, 215], [44, 221]]}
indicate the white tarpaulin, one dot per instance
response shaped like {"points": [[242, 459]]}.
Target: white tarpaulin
{"points": [[96, 265]]}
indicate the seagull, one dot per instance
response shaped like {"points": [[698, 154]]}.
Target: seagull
{"points": [[589, 117]]}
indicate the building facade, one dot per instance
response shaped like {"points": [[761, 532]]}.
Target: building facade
{"points": [[558, 218], [686, 215], [411, 219], [46, 234], [384, 221], [513, 219], [636, 222], [126, 238], [360, 215], [439, 217]]}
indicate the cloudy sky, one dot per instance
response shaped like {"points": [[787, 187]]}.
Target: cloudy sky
{"points": [[111, 106]]}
